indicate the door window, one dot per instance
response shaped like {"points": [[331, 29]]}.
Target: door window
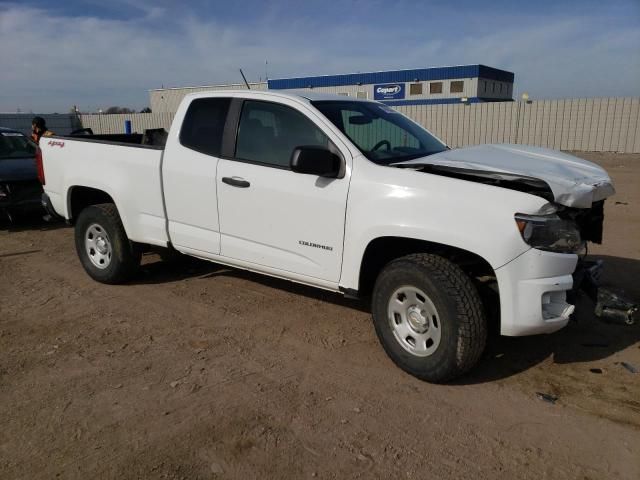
{"points": [[204, 124], [269, 132]]}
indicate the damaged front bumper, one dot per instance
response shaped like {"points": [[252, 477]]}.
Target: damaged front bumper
{"points": [[538, 289], [533, 292]]}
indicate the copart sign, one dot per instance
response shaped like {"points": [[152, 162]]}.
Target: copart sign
{"points": [[388, 91]]}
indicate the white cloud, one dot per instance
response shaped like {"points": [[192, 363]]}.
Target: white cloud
{"points": [[55, 61]]}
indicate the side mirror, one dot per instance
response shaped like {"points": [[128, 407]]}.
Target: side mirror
{"points": [[314, 160]]}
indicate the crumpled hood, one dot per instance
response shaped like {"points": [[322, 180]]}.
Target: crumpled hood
{"points": [[574, 182], [17, 169]]}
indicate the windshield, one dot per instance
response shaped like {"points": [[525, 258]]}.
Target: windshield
{"points": [[15, 145], [382, 134]]}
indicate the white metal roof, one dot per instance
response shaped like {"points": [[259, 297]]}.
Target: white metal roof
{"points": [[308, 95]]}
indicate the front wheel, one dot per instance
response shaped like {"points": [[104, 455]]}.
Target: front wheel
{"points": [[103, 247], [429, 317]]}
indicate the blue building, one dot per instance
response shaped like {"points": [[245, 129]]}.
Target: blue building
{"points": [[421, 86]]}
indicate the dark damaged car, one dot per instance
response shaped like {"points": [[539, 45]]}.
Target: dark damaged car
{"points": [[20, 190]]}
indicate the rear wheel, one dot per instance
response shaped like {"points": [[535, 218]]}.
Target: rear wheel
{"points": [[429, 317], [103, 247]]}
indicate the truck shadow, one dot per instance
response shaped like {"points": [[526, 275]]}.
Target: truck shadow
{"points": [[586, 339], [188, 267]]}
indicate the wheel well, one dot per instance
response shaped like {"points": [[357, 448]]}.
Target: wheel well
{"points": [[82, 197], [382, 250]]}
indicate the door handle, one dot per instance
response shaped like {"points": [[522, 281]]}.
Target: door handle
{"points": [[236, 182]]}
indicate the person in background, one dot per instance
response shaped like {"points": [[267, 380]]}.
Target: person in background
{"points": [[39, 129]]}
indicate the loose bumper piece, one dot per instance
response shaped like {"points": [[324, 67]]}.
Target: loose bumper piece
{"points": [[614, 307]]}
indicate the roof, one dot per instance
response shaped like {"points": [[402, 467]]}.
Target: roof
{"points": [[391, 76], [304, 94], [321, 96], [9, 130], [240, 86]]}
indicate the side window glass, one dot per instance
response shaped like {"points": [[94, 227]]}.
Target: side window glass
{"points": [[203, 125], [268, 133]]}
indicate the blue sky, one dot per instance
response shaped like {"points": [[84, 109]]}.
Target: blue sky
{"points": [[100, 53]]}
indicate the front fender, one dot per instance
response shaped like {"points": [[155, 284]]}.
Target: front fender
{"points": [[393, 202]]}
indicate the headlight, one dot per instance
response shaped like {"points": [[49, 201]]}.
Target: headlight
{"points": [[549, 232]]}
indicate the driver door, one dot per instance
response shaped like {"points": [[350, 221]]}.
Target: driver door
{"points": [[270, 216]]}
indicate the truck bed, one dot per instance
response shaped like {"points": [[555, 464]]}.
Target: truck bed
{"points": [[151, 138], [120, 165]]}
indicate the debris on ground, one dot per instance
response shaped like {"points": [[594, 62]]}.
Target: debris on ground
{"points": [[613, 306], [595, 370], [629, 367], [546, 397]]}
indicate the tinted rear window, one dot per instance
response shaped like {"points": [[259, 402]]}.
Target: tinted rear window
{"points": [[203, 125], [15, 145]]}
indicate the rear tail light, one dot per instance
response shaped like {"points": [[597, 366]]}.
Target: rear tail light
{"points": [[40, 166]]}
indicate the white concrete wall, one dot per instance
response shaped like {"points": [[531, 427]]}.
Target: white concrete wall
{"points": [[115, 123], [582, 124], [61, 124]]}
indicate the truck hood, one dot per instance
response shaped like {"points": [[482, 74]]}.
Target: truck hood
{"points": [[574, 182]]}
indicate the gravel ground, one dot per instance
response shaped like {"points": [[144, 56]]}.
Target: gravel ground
{"points": [[196, 371]]}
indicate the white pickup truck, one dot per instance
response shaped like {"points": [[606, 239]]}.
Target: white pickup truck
{"points": [[346, 195]]}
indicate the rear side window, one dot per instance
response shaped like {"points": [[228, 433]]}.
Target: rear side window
{"points": [[15, 145], [269, 132], [204, 124]]}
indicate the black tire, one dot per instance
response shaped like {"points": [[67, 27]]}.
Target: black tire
{"points": [[124, 257], [460, 318]]}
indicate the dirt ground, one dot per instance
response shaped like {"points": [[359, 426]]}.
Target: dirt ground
{"points": [[195, 371]]}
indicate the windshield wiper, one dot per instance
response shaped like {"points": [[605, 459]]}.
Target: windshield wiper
{"points": [[406, 158]]}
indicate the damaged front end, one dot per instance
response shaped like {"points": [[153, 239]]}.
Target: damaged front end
{"points": [[589, 221], [611, 305], [567, 230], [575, 190]]}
